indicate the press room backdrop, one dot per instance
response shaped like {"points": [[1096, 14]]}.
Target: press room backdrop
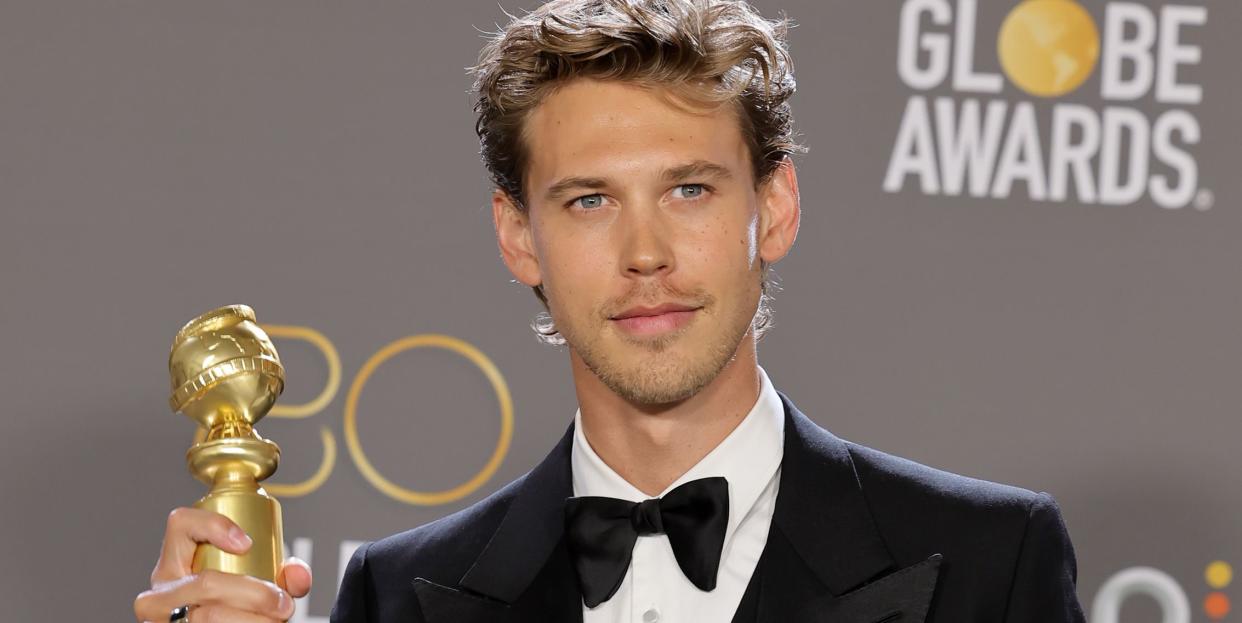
{"points": [[1026, 277]]}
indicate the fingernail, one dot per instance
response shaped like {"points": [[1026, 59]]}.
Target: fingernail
{"points": [[294, 560], [286, 605], [239, 537]]}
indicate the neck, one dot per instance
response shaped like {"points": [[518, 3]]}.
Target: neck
{"points": [[650, 446]]}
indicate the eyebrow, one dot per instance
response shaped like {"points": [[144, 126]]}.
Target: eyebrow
{"points": [[701, 168]]}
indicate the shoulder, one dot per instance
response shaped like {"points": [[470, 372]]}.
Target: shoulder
{"points": [[377, 580], [889, 475], [921, 509], [442, 550], [1005, 547]]}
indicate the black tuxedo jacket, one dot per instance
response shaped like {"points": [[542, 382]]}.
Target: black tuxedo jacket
{"points": [[858, 536]]}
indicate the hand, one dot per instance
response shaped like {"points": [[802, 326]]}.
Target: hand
{"points": [[215, 595]]}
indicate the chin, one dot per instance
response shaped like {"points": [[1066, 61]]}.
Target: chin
{"points": [[671, 374], [657, 386], [658, 369]]}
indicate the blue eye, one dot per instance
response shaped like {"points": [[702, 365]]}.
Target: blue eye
{"points": [[692, 191], [589, 202]]}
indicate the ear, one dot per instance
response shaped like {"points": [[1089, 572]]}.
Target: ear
{"points": [[513, 235], [779, 212]]}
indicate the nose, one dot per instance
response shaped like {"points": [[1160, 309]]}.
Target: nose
{"points": [[646, 243]]}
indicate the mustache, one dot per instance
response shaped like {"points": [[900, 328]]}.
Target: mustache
{"points": [[652, 294]]}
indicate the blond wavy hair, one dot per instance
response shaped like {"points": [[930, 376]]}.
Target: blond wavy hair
{"points": [[705, 52]]}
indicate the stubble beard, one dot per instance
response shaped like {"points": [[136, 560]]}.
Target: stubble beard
{"points": [[659, 376]]}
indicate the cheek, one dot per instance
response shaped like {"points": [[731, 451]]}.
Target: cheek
{"points": [[575, 269], [730, 245]]}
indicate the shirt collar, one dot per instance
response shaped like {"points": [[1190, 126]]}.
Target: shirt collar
{"points": [[748, 458]]}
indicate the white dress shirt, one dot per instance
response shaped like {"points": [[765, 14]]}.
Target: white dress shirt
{"points": [[654, 589]]}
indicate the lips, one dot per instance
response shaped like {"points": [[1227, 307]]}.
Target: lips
{"points": [[655, 320], [639, 312]]}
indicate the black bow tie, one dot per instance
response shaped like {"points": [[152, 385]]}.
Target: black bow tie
{"points": [[601, 533]]}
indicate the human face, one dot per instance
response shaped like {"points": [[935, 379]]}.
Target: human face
{"points": [[644, 227]]}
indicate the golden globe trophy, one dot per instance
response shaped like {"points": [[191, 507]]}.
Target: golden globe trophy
{"points": [[226, 376]]}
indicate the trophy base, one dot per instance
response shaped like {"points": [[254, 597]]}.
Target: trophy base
{"points": [[259, 515]]}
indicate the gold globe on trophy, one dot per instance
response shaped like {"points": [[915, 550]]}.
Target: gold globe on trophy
{"points": [[226, 377]]}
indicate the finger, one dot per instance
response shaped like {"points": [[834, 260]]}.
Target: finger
{"points": [[187, 527], [219, 613], [215, 588], [295, 577]]}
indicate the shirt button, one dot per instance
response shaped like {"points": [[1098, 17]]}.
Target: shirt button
{"points": [[652, 615]]}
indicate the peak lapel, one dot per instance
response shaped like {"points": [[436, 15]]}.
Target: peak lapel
{"points": [[524, 573], [825, 559]]}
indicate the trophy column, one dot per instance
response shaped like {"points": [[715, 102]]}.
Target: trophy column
{"points": [[226, 376]]}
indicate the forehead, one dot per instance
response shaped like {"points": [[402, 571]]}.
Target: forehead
{"points": [[623, 130]]}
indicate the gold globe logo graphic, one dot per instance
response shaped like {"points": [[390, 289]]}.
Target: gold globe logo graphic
{"points": [[1048, 47]]}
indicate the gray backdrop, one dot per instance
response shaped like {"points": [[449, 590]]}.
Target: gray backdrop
{"points": [[317, 161]]}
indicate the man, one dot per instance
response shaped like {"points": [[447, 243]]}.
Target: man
{"points": [[641, 156]]}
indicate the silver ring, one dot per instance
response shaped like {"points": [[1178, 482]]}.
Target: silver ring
{"points": [[180, 614]]}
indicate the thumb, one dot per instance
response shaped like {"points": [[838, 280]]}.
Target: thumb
{"points": [[295, 577]]}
